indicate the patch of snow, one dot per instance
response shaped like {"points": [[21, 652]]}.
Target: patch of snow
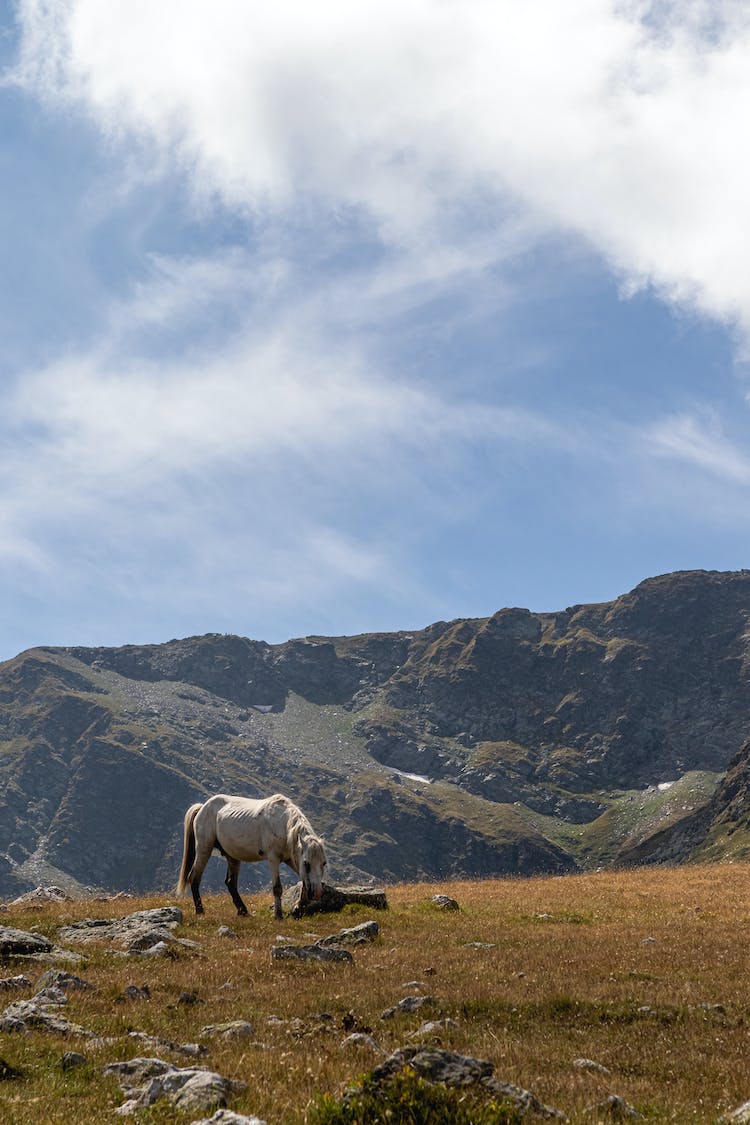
{"points": [[663, 785], [410, 776], [264, 708]]}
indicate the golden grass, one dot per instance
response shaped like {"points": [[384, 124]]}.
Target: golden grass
{"points": [[564, 971]]}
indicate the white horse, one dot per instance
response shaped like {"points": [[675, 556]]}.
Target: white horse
{"points": [[248, 830]]}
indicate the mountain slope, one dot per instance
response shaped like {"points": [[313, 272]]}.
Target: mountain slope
{"points": [[472, 747]]}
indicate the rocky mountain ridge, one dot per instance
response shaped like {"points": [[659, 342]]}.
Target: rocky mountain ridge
{"points": [[512, 743]]}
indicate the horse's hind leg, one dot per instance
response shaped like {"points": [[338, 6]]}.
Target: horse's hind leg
{"points": [[233, 870], [196, 874]]}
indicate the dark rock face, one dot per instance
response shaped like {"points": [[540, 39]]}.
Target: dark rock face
{"points": [[417, 755]]}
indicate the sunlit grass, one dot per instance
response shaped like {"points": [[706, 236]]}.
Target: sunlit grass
{"points": [[645, 972]]}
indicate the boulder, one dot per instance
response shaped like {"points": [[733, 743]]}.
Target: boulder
{"points": [[147, 1080], [14, 943], [452, 1069], [333, 900], [33, 1015], [310, 953], [142, 929]]}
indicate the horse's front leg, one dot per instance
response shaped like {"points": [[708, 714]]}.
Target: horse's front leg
{"points": [[274, 864], [233, 870]]}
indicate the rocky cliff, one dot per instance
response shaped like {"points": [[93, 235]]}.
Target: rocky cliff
{"points": [[515, 743]]}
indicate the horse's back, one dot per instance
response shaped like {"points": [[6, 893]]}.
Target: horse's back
{"points": [[248, 828]]}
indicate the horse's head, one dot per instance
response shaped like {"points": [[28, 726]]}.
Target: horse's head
{"points": [[312, 866]]}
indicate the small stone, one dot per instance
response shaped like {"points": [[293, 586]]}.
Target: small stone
{"points": [[226, 932], [444, 902], [72, 1059], [616, 1107], [589, 1064], [408, 1004], [160, 949], [358, 935], [361, 1039], [133, 992], [232, 1030]]}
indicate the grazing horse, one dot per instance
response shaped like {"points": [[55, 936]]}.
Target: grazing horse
{"points": [[248, 830]]}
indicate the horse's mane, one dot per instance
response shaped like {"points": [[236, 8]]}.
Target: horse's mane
{"points": [[299, 829]]}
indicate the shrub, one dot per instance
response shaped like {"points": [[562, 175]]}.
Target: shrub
{"points": [[409, 1100]]}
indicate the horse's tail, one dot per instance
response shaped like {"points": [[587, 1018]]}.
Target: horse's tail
{"points": [[188, 848]]}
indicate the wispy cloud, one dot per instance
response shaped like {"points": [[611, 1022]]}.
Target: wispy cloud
{"points": [[246, 459], [700, 441]]}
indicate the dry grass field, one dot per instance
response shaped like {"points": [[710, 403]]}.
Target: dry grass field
{"points": [[646, 972]]}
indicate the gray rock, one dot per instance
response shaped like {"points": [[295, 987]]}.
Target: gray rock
{"points": [[33, 1015], [41, 895], [362, 1039], [71, 1059], [158, 924], [310, 953], [228, 1117], [226, 931], [589, 1064], [408, 1004], [452, 1069], [14, 984], [15, 942], [144, 939], [156, 1043], [432, 1028], [437, 1066], [147, 1080], [67, 982], [54, 997], [444, 902], [357, 935], [233, 1029], [333, 900], [158, 949]]}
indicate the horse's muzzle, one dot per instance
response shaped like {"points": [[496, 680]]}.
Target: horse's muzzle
{"points": [[311, 891]]}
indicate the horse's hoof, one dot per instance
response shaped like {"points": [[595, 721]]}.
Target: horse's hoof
{"points": [[242, 913], [199, 910]]}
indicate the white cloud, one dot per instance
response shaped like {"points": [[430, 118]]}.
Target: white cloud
{"points": [[622, 122]]}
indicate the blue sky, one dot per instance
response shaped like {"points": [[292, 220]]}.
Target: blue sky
{"points": [[347, 317]]}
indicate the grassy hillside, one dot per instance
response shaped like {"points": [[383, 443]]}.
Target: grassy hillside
{"points": [[643, 972]]}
